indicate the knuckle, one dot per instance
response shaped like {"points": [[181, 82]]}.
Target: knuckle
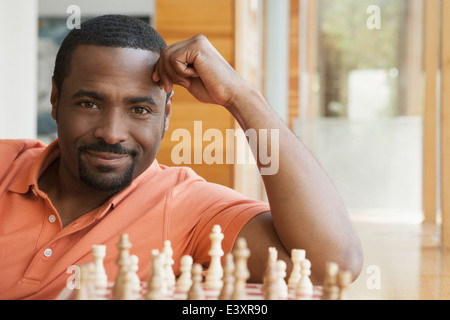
{"points": [[200, 37]]}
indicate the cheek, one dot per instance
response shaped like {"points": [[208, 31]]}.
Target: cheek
{"points": [[149, 141], [70, 132]]}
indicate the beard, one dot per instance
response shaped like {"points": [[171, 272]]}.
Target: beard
{"points": [[103, 178]]}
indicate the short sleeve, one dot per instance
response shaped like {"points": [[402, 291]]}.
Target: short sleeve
{"points": [[207, 204]]}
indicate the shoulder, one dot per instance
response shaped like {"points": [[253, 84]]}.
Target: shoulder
{"points": [[16, 146], [187, 188], [178, 176], [11, 150]]}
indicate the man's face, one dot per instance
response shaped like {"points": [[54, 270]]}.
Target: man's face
{"points": [[111, 116]]}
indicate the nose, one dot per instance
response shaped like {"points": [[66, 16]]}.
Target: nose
{"points": [[112, 127]]}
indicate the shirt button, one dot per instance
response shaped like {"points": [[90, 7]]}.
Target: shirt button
{"points": [[48, 252], [52, 218]]}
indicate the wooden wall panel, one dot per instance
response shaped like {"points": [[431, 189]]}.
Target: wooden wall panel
{"points": [[249, 63], [178, 20], [445, 123], [430, 64], [294, 29]]}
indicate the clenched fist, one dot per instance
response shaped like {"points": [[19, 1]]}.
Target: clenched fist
{"points": [[196, 65]]}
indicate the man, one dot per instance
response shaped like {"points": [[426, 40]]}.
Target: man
{"points": [[112, 101]]}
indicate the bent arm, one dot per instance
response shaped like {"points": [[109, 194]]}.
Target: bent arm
{"points": [[306, 210]]}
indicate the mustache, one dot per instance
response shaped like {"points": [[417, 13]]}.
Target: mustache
{"points": [[102, 146]]}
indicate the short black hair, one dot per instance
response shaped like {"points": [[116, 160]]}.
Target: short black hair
{"points": [[115, 30]]}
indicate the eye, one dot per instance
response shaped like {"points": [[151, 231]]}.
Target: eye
{"points": [[88, 105], [140, 111]]}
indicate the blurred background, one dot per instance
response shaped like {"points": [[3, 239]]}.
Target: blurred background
{"points": [[360, 82]]}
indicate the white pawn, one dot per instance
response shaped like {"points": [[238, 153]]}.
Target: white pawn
{"points": [[156, 288], [131, 286], [280, 267], [297, 256], [128, 289], [132, 272], [228, 278], [127, 292], [184, 282], [196, 290], [305, 288], [168, 266], [272, 285], [99, 277]]}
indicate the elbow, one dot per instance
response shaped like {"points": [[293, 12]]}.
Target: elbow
{"points": [[349, 258], [353, 261]]}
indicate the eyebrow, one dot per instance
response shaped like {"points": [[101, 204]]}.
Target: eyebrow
{"points": [[98, 96], [90, 94], [136, 100]]}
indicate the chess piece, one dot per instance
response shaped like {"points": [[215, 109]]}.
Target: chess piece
{"points": [[99, 277], [215, 271], [123, 262], [297, 256], [330, 288], [272, 289], [196, 290], [228, 278], [129, 291], [241, 272], [131, 285], [156, 288], [86, 289], [168, 266], [184, 282], [304, 289], [271, 260], [133, 268], [344, 279], [280, 267]]}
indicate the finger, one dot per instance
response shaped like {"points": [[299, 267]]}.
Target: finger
{"points": [[155, 76], [161, 77], [174, 74], [186, 70], [167, 80], [165, 84]]}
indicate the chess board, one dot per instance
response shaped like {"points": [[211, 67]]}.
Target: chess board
{"points": [[194, 282], [254, 291]]}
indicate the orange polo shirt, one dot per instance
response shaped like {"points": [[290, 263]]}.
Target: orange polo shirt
{"points": [[36, 252]]}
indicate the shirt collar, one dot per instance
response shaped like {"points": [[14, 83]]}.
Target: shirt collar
{"points": [[29, 178], [151, 171]]}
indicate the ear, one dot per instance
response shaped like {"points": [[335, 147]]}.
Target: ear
{"points": [[54, 96], [168, 112]]}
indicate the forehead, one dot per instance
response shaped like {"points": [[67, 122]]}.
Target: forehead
{"points": [[114, 68]]}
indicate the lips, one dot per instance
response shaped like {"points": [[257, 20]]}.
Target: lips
{"points": [[108, 159]]}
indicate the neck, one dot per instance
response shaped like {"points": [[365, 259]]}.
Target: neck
{"points": [[70, 199]]}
